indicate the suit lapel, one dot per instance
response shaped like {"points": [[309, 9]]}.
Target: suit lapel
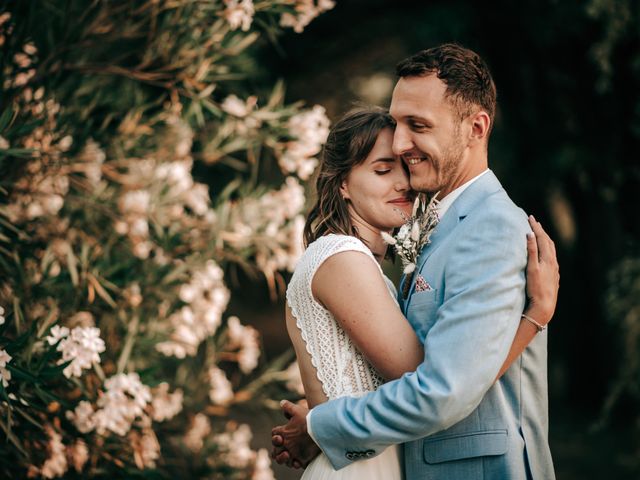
{"points": [[467, 201]]}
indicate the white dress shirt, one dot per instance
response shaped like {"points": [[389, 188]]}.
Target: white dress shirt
{"points": [[444, 204]]}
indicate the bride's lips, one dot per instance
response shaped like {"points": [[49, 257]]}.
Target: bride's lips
{"points": [[401, 201]]}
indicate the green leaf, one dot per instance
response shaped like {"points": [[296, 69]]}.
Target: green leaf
{"points": [[17, 152], [53, 371], [6, 118], [13, 439], [21, 373], [28, 417], [72, 263]]}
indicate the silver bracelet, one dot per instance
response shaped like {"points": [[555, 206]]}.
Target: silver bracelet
{"points": [[538, 326]]}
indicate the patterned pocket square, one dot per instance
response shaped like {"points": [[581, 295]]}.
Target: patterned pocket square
{"points": [[422, 285]]}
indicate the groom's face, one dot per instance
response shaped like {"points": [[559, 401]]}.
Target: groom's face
{"points": [[429, 133]]}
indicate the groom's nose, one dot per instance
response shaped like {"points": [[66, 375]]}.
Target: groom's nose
{"points": [[401, 141]]}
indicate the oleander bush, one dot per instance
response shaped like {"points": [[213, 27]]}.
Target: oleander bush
{"points": [[144, 158]]}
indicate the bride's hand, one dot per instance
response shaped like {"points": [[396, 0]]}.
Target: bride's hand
{"points": [[543, 274]]}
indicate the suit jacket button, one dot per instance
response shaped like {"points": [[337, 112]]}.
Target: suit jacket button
{"points": [[349, 455], [370, 453]]}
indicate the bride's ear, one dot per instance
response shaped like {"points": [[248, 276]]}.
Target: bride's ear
{"points": [[344, 191]]}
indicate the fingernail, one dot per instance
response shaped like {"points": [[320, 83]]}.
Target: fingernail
{"points": [[531, 235], [282, 402], [532, 218]]}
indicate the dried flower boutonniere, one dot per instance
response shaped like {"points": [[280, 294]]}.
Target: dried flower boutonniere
{"points": [[415, 234]]}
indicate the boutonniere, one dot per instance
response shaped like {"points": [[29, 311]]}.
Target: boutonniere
{"points": [[415, 233]]}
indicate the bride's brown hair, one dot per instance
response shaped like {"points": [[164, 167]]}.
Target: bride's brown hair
{"points": [[350, 141]]}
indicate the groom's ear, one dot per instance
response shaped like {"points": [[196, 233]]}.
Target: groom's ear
{"points": [[480, 127]]}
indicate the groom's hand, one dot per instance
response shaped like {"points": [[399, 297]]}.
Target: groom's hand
{"points": [[292, 445]]}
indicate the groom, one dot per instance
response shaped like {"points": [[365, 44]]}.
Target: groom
{"points": [[455, 420]]}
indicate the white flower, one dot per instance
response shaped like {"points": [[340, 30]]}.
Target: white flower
{"points": [[146, 448], [415, 232], [142, 249], [139, 227], [291, 199], [65, 143], [197, 199], [135, 201], [79, 453], [220, 392], [262, 469], [310, 130], [177, 174], [57, 333], [166, 405], [246, 340], [409, 268], [53, 204], [388, 238], [306, 10], [30, 48], [82, 417], [125, 399], [200, 428], [239, 14], [82, 347], [5, 375], [207, 298], [236, 443], [235, 106], [56, 463]]}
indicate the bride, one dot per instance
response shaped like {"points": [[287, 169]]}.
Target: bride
{"points": [[363, 190]]}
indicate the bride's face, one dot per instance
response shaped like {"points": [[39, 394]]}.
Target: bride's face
{"points": [[378, 189]]}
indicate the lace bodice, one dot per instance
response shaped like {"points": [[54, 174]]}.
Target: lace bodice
{"points": [[340, 366]]}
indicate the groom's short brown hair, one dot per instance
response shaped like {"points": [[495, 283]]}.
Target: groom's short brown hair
{"points": [[465, 74]]}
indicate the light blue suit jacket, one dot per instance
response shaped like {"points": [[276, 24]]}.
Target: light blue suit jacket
{"points": [[456, 422]]}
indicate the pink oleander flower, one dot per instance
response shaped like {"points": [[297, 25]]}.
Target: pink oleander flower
{"points": [[239, 14], [246, 339], [82, 347], [5, 374], [310, 130], [235, 444], [56, 463], [237, 107], [220, 388], [82, 417], [78, 454], [199, 430], [165, 405], [262, 469]]}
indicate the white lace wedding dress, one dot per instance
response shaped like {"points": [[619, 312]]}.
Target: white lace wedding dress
{"points": [[340, 367]]}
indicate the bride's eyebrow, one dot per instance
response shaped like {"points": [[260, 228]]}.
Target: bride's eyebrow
{"points": [[383, 160]]}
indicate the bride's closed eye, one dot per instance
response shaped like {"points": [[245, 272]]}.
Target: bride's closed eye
{"points": [[382, 172]]}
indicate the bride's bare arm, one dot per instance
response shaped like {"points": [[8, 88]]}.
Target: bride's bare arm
{"points": [[543, 282], [350, 286]]}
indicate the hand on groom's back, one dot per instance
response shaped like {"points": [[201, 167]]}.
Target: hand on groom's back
{"points": [[292, 445]]}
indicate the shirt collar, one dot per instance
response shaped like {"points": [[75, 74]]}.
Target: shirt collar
{"points": [[444, 204]]}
